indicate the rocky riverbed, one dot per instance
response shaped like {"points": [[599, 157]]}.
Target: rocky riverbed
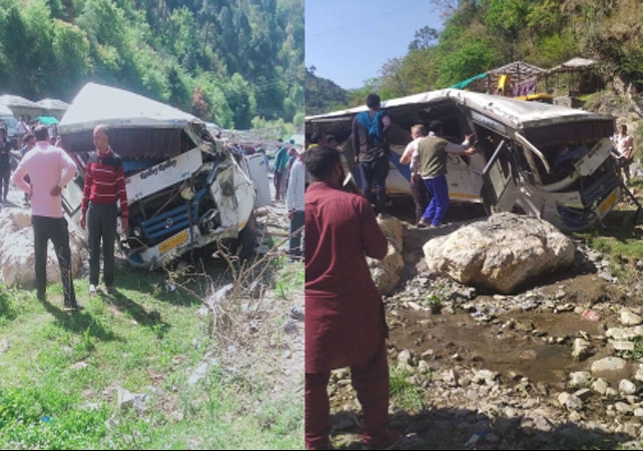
{"points": [[556, 366]]}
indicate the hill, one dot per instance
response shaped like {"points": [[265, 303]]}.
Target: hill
{"points": [[227, 62], [323, 95]]}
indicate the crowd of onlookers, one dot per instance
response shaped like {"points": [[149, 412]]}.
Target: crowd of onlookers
{"points": [[23, 142], [289, 177], [26, 125]]}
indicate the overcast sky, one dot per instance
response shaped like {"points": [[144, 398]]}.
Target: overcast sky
{"points": [[348, 41]]}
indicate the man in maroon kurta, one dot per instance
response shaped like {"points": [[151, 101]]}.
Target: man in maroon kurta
{"points": [[345, 323]]}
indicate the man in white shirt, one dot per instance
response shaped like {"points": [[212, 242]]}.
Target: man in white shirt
{"points": [[21, 130], [295, 204], [624, 144], [421, 196]]}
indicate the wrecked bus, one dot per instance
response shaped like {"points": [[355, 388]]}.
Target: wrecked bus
{"points": [[186, 190], [548, 161]]}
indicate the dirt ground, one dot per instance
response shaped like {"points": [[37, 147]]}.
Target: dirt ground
{"points": [[524, 341]]}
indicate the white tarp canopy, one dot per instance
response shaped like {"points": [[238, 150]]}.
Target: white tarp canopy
{"points": [[516, 114], [98, 104], [18, 101], [53, 104], [573, 64], [19, 105], [5, 111]]}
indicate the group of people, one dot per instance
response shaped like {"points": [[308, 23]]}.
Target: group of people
{"points": [[42, 173], [25, 141], [345, 318], [289, 175]]}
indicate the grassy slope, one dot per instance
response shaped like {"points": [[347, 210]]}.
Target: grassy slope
{"points": [[59, 373], [620, 237]]}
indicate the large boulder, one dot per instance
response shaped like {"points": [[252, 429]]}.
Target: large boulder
{"points": [[17, 251], [501, 253], [388, 272]]}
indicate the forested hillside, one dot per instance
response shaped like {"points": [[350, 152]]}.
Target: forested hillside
{"points": [[323, 95], [228, 61], [479, 35]]}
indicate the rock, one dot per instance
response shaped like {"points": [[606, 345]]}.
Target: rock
{"points": [[527, 425], [623, 408], [638, 412], [198, 374], [485, 376], [583, 394], [607, 365], [639, 373], [423, 367], [501, 253], [291, 328], [600, 386], [611, 393], [542, 424], [581, 349], [620, 333], [579, 379], [627, 387], [451, 377], [79, 366], [387, 273], [569, 401], [629, 318], [17, 251], [623, 345], [219, 296], [125, 399], [405, 358], [574, 417]]}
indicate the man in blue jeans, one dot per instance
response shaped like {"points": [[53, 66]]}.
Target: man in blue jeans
{"points": [[372, 151], [430, 161]]}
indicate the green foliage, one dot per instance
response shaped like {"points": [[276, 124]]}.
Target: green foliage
{"points": [[473, 57], [480, 35], [250, 52], [638, 347], [8, 307], [323, 95], [34, 419], [506, 16], [290, 278], [551, 49], [60, 372], [404, 393], [435, 303]]}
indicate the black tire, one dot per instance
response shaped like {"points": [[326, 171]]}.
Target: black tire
{"points": [[247, 238], [244, 245]]}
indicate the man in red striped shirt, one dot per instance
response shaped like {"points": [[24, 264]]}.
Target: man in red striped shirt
{"points": [[104, 186]]}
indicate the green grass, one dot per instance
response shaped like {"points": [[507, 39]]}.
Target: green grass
{"points": [[290, 278], [620, 238], [60, 372], [404, 394]]}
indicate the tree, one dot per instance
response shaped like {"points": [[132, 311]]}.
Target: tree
{"points": [[199, 105], [474, 57], [71, 55], [240, 100], [424, 38]]}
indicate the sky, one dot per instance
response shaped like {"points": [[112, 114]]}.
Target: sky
{"points": [[348, 41]]}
